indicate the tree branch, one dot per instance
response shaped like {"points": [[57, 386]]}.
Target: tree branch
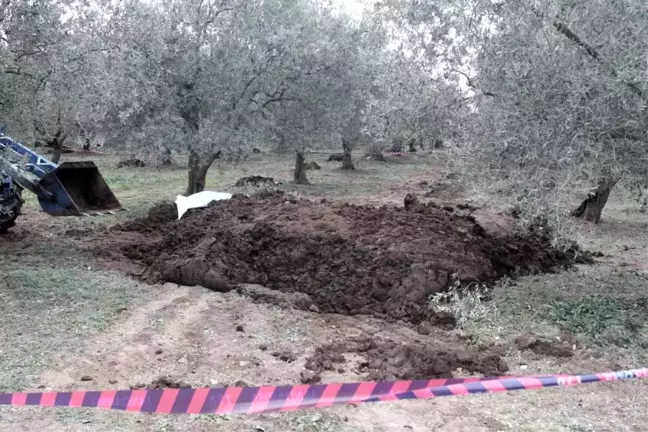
{"points": [[472, 85], [594, 53], [18, 72], [626, 133]]}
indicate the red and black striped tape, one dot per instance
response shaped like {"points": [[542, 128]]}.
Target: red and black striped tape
{"points": [[255, 400]]}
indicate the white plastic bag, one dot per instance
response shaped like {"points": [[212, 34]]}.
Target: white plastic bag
{"points": [[198, 200]]}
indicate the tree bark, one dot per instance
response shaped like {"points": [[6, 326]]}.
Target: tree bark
{"points": [[57, 145], [592, 207], [300, 169], [412, 145], [198, 172], [347, 162]]}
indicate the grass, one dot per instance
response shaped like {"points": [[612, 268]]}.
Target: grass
{"points": [[606, 311], [52, 300], [602, 321], [138, 189]]}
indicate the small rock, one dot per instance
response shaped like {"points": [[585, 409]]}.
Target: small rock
{"points": [[340, 370], [86, 378], [183, 360], [239, 328], [112, 381], [286, 356], [263, 347], [310, 377], [411, 201], [158, 352], [313, 308], [423, 330]]}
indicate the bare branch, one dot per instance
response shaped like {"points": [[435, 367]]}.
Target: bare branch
{"points": [[471, 83]]}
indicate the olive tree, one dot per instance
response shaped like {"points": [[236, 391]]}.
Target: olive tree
{"points": [[47, 69], [561, 98]]}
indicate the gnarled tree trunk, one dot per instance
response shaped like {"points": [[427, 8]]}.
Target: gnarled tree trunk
{"points": [[592, 207], [300, 169], [198, 171], [347, 162]]}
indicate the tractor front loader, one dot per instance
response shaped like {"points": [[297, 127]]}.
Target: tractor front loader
{"points": [[68, 189]]}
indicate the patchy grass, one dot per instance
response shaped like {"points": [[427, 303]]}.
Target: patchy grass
{"points": [[606, 311], [52, 299], [138, 189], [602, 321]]}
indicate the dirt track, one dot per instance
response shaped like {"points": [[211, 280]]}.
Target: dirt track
{"points": [[349, 259]]}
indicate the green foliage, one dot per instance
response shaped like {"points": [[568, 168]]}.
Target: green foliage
{"points": [[601, 320]]}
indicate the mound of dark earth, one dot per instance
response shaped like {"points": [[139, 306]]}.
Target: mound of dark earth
{"points": [[350, 259]]}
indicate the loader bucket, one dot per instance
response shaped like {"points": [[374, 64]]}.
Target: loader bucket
{"points": [[79, 190]]}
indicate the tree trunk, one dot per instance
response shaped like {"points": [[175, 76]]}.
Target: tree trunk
{"points": [[300, 170], [167, 157], [198, 172], [592, 207], [57, 145], [397, 145], [412, 146], [347, 162]]}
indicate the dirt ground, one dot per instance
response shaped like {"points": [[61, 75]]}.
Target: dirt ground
{"points": [[106, 312]]}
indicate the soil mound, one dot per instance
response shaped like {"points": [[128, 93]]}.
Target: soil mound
{"points": [[349, 259], [256, 180], [388, 360], [158, 215]]}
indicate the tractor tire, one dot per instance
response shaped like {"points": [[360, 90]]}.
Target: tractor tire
{"points": [[10, 211]]}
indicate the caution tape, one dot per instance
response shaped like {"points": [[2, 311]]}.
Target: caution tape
{"points": [[256, 400]]}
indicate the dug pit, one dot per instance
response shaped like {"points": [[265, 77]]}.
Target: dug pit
{"points": [[349, 259]]}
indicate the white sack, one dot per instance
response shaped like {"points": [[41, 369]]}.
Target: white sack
{"points": [[198, 200]]}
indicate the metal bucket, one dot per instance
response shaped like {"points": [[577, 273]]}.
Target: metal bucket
{"points": [[79, 189]]}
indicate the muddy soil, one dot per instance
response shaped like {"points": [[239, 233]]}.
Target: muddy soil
{"points": [[349, 259]]}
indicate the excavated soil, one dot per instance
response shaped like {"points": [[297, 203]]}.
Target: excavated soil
{"points": [[389, 360], [348, 259]]}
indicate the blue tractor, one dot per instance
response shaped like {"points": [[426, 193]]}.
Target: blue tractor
{"points": [[68, 189]]}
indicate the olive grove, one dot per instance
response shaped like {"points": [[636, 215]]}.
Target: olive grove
{"points": [[540, 99], [560, 94]]}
